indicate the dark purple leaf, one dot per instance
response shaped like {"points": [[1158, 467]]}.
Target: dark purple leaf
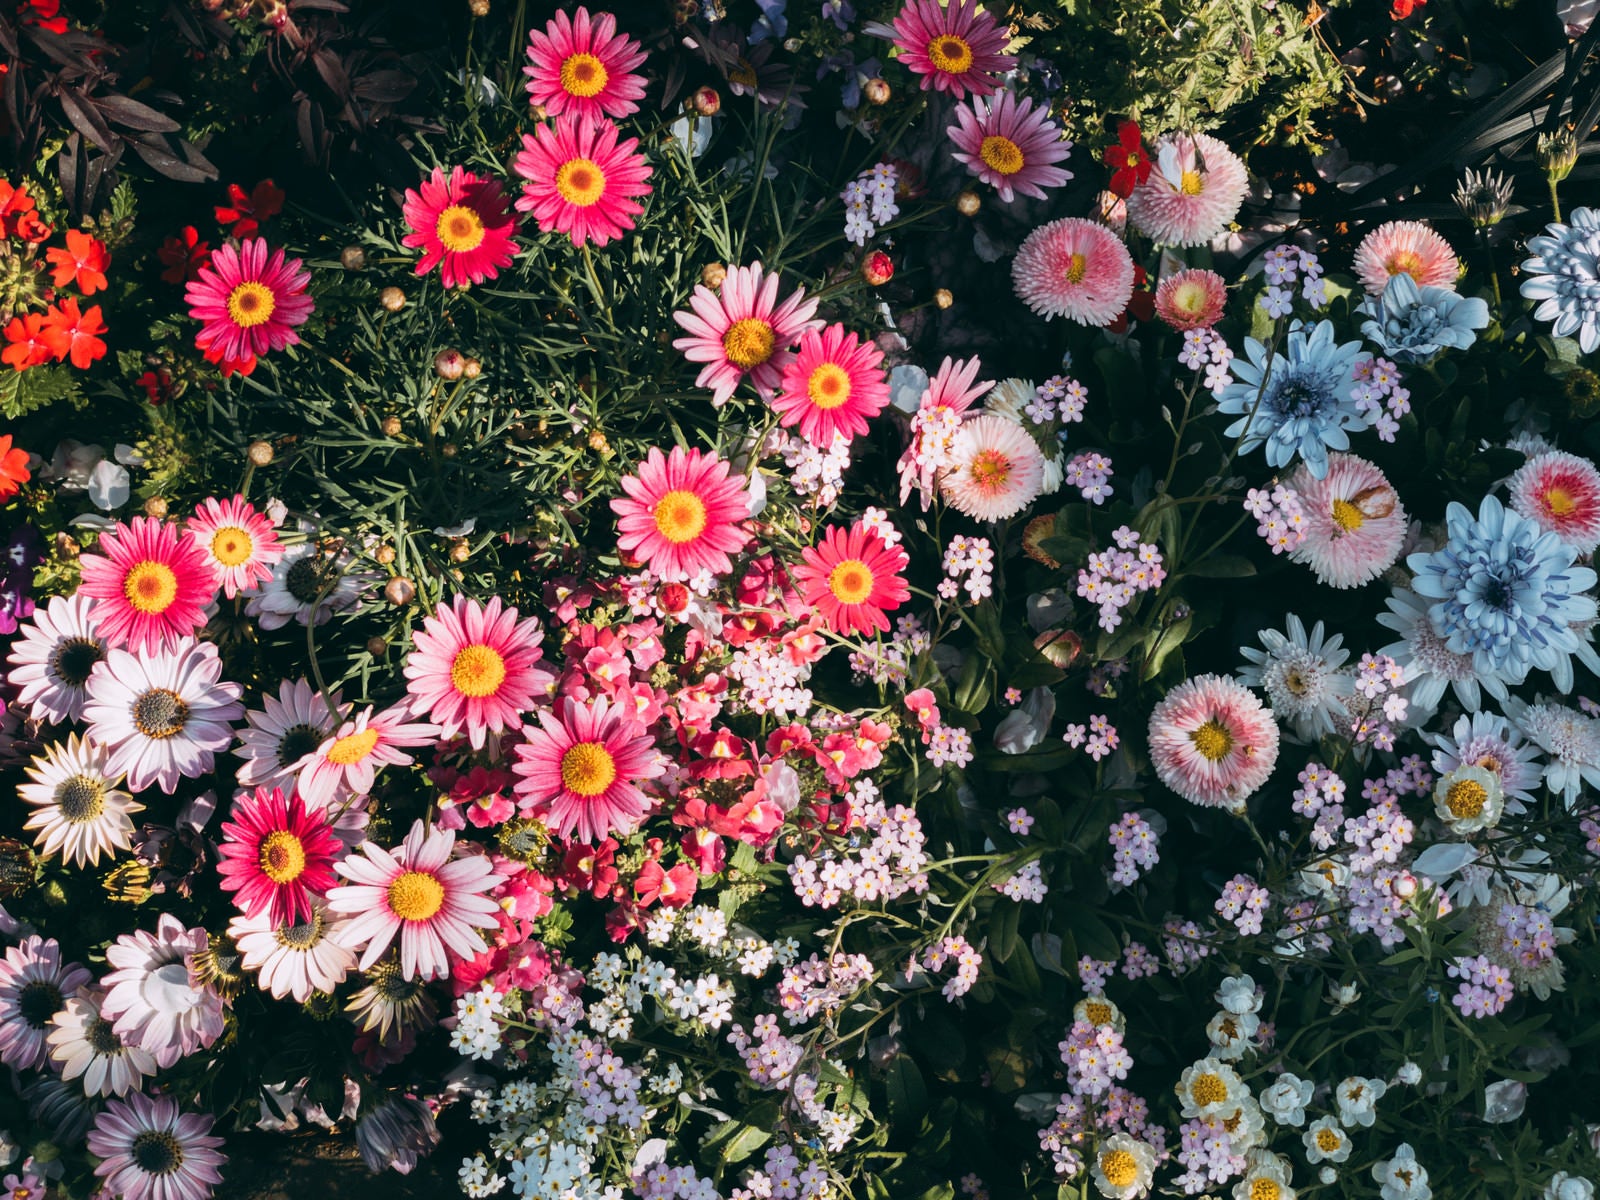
{"points": [[333, 74], [129, 112], [160, 158], [332, 6], [86, 120], [385, 87]]}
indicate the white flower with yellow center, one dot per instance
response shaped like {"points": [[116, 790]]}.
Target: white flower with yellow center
{"points": [[1098, 1011], [1469, 799], [1246, 1125], [1326, 1141], [1210, 1088], [1230, 1034], [1123, 1167], [1266, 1178], [1358, 1098], [1403, 1177]]}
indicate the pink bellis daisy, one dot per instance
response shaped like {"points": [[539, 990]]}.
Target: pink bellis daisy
{"points": [[852, 578], [1355, 524], [240, 542], [347, 763], [78, 810], [462, 225], [434, 904], [944, 405], [581, 181], [152, 1150], [833, 385], [580, 66], [275, 856], [998, 471], [34, 986], [1560, 493], [294, 959], [682, 514], [1212, 742], [249, 300], [1010, 145], [1076, 269], [151, 997], [83, 1045], [582, 768], [1194, 192], [52, 656], [742, 331], [959, 49], [1405, 248], [476, 668], [153, 583], [1191, 299]]}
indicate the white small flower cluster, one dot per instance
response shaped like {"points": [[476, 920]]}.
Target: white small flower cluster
{"points": [[888, 662], [477, 1032], [770, 682], [969, 565], [816, 471], [885, 867], [1232, 1029], [869, 202]]}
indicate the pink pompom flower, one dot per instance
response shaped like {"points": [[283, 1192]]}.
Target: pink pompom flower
{"points": [[1194, 192], [1560, 493], [1076, 269], [1191, 299], [1355, 524], [998, 469], [1405, 248], [1212, 742]]}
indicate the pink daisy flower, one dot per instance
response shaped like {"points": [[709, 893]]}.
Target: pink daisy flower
{"points": [[833, 385], [682, 514], [582, 768], [1010, 145], [241, 543], [250, 301], [581, 66], [153, 583], [1560, 493], [462, 225], [959, 50], [434, 904], [275, 856], [1212, 742], [1076, 269], [152, 1150], [34, 986], [476, 667], [998, 471], [151, 998], [347, 763], [1191, 299], [943, 407], [1355, 524], [1194, 192], [743, 332], [852, 578], [1405, 248], [581, 181]]}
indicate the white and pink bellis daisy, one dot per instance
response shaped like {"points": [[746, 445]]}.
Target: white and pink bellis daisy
{"points": [[1355, 523], [1560, 493]]}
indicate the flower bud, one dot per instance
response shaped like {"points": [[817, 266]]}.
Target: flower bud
{"points": [[1556, 153], [472, 368], [706, 102], [943, 298], [392, 299], [478, 8], [353, 258], [876, 91], [155, 508], [449, 364], [449, 450], [673, 598], [1059, 647], [259, 453], [391, 427], [400, 591], [376, 646], [713, 274], [968, 203], [384, 555], [878, 268], [460, 551]]}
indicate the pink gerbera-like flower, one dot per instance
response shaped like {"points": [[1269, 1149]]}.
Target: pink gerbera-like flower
{"points": [[581, 66], [275, 856], [1405, 248], [1194, 192], [1355, 524], [958, 49], [434, 904], [477, 668], [1076, 269], [833, 385], [682, 514], [743, 332], [1560, 493], [998, 469], [153, 584], [582, 768], [240, 542], [1212, 742], [852, 578], [347, 763], [250, 301], [462, 225], [1191, 299], [151, 997], [1010, 145], [152, 1150], [34, 987], [940, 412], [581, 181]]}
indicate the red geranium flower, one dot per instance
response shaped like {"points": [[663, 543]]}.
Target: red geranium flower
{"points": [[46, 14], [69, 332], [13, 468], [17, 218], [1130, 165], [1401, 9], [244, 214], [184, 256], [27, 346], [83, 262]]}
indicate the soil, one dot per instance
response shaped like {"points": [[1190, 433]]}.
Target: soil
{"points": [[319, 1166]]}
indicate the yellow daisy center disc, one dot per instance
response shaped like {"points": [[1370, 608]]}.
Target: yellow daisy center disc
{"points": [[251, 304], [1213, 743], [352, 748], [749, 343], [1119, 1168], [850, 581], [477, 671], [680, 517], [581, 182], [460, 229], [829, 385], [950, 53], [583, 75], [282, 856], [232, 546], [150, 587], [587, 769], [1002, 154], [415, 896]]}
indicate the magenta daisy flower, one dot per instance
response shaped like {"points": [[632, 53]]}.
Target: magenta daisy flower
{"points": [[833, 385], [1076, 269], [152, 999], [1405, 248], [477, 668], [1191, 299], [34, 986], [1212, 742], [998, 469], [1355, 524], [743, 332], [852, 578], [416, 892], [581, 181], [1010, 145], [581, 66], [462, 225], [682, 514], [240, 542], [250, 300], [275, 856], [153, 583], [347, 763], [1194, 192], [51, 659], [581, 770], [958, 49], [152, 1150], [1560, 493]]}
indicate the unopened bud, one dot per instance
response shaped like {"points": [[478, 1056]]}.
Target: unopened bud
{"points": [[460, 551], [259, 453], [392, 298], [943, 298], [1060, 648], [968, 203], [400, 591], [1556, 153], [876, 91], [384, 555], [878, 268], [353, 258], [478, 8], [706, 102], [449, 364], [391, 427], [376, 646], [155, 508], [713, 274], [449, 450]]}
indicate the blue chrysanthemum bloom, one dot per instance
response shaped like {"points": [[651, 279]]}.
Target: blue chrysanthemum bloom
{"points": [[1564, 276], [1307, 406], [1506, 593], [1412, 324]]}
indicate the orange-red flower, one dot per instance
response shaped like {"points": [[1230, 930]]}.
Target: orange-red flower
{"points": [[46, 14], [244, 214], [1130, 165], [70, 333], [17, 215], [13, 468], [26, 344], [83, 263]]}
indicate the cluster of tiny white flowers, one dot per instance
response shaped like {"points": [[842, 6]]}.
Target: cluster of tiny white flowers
{"points": [[869, 202], [477, 1032], [969, 565], [887, 863], [771, 682], [817, 471]]}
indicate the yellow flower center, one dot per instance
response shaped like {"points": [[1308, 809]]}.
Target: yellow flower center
{"points": [[1189, 298], [283, 858], [1119, 1167], [1212, 742], [1191, 183], [990, 469], [232, 546], [250, 304], [1558, 502], [829, 386], [1347, 516], [1097, 1012], [680, 517], [1328, 1140], [150, 587], [1077, 268], [583, 75], [850, 581], [950, 53], [1466, 798], [1265, 1189], [415, 896], [749, 343], [1404, 262], [587, 769], [581, 182], [1208, 1089], [477, 671], [1001, 154], [352, 748], [460, 229]]}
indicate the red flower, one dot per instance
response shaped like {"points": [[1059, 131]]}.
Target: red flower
{"points": [[46, 14], [69, 332], [28, 347], [13, 468], [243, 214], [157, 385], [17, 218], [83, 262], [1401, 9], [1130, 165], [183, 256], [878, 269], [674, 888]]}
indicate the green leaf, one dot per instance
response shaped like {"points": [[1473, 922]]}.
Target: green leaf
{"points": [[23, 392], [1221, 566], [908, 1095], [1003, 929]]}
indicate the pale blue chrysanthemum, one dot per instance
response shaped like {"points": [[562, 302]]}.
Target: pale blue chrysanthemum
{"points": [[1413, 324], [1564, 276], [1568, 737], [1302, 675], [1305, 407], [1506, 593]]}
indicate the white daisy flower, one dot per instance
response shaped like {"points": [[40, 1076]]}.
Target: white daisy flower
{"points": [[79, 813]]}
